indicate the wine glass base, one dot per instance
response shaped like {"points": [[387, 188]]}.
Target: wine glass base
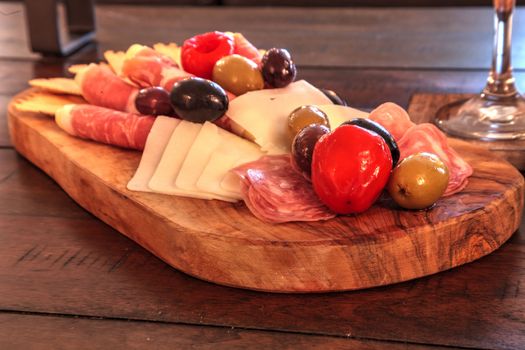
{"points": [[484, 118]]}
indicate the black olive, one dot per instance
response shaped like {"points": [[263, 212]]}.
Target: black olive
{"points": [[198, 100], [381, 131], [334, 97]]}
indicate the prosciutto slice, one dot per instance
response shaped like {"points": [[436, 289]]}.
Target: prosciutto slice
{"points": [[105, 125], [274, 192], [147, 67], [427, 137], [245, 48], [100, 86]]}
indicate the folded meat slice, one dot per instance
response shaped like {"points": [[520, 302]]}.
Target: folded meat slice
{"points": [[276, 193], [147, 67], [392, 117], [105, 125], [427, 137]]}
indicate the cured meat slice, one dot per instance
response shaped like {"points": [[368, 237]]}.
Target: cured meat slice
{"points": [[105, 125], [276, 193], [100, 86], [393, 118], [427, 137], [245, 48], [147, 67]]}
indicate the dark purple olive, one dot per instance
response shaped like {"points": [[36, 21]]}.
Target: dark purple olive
{"points": [[334, 97], [198, 100], [153, 101], [303, 147], [277, 68], [378, 129]]}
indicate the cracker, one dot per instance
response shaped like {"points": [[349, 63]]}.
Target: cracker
{"points": [[115, 60], [171, 50], [76, 68], [57, 85], [45, 103]]}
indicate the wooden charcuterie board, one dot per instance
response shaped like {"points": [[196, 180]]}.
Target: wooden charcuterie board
{"points": [[224, 243]]}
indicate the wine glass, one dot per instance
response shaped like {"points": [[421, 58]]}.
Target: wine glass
{"points": [[498, 113]]}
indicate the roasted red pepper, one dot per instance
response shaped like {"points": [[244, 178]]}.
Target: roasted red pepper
{"points": [[350, 167], [200, 52]]}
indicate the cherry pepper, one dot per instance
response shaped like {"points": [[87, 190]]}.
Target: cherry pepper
{"points": [[350, 167]]}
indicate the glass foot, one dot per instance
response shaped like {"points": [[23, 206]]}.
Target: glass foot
{"points": [[484, 118]]}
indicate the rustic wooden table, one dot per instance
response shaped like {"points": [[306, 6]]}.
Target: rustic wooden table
{"points": [[67, 280]]}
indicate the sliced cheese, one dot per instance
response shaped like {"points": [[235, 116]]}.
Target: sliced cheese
{"points": [[180, 142], [156, 143], [198, 156], [226, 156], [337, 115], [264, 113]]}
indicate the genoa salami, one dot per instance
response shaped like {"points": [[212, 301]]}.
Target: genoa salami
{"points": [[105, 125], [276, 193]]}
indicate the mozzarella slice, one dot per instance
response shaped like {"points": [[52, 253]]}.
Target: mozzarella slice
{"points": [[180, 142], [264, 113], [156, 143], [337, 115]]}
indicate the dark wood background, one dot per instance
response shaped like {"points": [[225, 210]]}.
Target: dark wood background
{"points": [[69, 281]]}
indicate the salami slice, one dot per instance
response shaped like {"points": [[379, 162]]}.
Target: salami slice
{"points": [[276, 193], [427, 137], [105, 125], [393, 118]]}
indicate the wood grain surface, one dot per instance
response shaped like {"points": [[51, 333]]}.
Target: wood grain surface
{"points": [[230, 246]]}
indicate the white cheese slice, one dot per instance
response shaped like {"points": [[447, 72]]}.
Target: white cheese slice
{"points": [[198, 156], [156, 142], [227, 155], [264, 113], [180, 142], [337, 115]]}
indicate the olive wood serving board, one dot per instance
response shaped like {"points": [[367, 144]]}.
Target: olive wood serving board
{"points": [[224, 243]]}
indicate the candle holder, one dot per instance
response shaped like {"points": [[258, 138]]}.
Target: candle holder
{"points": [[46, 32]]}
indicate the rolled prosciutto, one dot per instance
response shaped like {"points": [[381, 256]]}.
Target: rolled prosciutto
{"points": [[105, 125], [100, 86], [147, 67]]}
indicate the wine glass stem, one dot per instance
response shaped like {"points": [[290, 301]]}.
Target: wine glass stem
{"points": [[500, 82]]}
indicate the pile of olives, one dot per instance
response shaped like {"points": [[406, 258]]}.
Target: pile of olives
{"points": [[239, 74], [306, 125], [199, 100], [193, 99]]}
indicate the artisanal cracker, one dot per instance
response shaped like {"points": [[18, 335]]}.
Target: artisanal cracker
{"points": [[115, 60], [76, 68], [45, 103], [171, 50], [57, 85]]}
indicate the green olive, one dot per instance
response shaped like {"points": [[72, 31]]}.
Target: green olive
{"points": [[304, 116], [418, 181], [237, 74]]}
